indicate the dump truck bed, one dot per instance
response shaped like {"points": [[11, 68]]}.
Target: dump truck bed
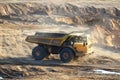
{"points": [[55, 39]]}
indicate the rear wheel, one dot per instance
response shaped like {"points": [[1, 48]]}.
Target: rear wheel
{"points": [[66, 55], [39, 53]]}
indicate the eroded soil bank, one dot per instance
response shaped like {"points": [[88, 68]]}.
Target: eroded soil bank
{"points": [[99, 19]]}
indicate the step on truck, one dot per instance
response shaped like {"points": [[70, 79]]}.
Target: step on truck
{"points": [[68, 45]]}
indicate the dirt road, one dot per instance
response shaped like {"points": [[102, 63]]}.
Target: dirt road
{"points": [[99, 18], [65, 72], [96, 66]]}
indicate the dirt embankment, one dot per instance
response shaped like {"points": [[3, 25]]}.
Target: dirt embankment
{"points": [[104, 23], [17, 20]]}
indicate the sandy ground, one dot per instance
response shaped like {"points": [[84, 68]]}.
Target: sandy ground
{"points": [[85, 68], [83, 3], [22, 66]]}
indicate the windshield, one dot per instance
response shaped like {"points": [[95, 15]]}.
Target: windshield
{"points": [[80, 39]]}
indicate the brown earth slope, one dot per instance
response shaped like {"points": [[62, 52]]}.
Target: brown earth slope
{"points": [[103, 23], [100, 19]]}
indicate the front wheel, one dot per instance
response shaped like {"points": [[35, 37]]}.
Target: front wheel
{"points": [[66, 55]]}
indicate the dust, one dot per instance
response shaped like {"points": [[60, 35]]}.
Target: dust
{"points": [[58, 2]]}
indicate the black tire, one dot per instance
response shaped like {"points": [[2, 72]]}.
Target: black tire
{"points": [[39, 53], [66, 55]]}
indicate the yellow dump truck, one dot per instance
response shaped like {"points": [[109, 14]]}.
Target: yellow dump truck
{"points": [[67, 45]]}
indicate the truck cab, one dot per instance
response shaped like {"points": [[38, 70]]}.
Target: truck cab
{"points": [[82, 43]]}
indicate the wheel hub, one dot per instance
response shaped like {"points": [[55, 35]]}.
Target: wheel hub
{"points": [[37, 53], [65, 55]]}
